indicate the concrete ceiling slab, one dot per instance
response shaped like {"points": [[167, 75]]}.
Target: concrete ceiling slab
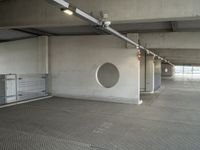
{"points": [[9, 34]]}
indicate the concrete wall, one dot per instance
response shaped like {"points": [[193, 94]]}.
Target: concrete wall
{"points": [[23, 56], [157, 74], [75, 60], [167, 70]]}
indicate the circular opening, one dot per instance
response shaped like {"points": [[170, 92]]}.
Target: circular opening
{"points": [[166, 70], [107, 75]]}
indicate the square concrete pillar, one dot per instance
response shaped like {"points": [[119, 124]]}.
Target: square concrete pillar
{"points": [[143, 72], [43, 54], [150, 74], [157, 74], [147, 73]]}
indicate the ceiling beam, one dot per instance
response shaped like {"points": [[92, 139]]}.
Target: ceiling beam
{"points": [[16, 39], [24, 31], [34, 31]]}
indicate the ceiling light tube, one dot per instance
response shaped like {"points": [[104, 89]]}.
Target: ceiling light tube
{"points": [[62, 3]]}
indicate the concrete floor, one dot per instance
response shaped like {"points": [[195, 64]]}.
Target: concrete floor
{"points": [[166, 121]]}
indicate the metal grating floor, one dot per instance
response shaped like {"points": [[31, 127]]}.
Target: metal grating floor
{"points": [[166, 121]]}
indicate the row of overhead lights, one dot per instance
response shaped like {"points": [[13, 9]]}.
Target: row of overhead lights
{"points": [[70, 10]]}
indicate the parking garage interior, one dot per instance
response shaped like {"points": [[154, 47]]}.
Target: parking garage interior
{"points": [[99, 75]]}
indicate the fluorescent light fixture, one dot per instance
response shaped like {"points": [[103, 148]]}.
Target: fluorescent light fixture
{"points": [[62, 3], [69, 12]]}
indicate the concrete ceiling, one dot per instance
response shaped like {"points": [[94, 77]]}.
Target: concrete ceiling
{"points": [[38, 18]]}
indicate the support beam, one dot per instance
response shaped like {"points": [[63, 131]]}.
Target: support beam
{"points": [[176, 40], [150, 68], [35, 32], [181, 56], [28, 32]]}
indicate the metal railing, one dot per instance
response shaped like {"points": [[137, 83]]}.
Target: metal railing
{"points": [[31, 86]]}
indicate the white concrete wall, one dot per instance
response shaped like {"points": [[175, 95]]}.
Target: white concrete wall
{"points": [[74, 61], [23, 56]]}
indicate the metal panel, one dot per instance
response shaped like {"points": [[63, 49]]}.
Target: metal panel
{"points": [[31, 86], [11, 88], [8, 92], [2, 89]]}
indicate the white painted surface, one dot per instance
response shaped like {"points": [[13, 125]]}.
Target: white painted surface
{"points": [[74, 61], [41, 13], [23, 56]]}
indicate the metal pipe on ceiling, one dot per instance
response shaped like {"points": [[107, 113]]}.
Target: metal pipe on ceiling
{"points": [[104, 25]]}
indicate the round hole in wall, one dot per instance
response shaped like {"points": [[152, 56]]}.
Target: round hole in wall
{"points": [[166, 70], [107, 75]]}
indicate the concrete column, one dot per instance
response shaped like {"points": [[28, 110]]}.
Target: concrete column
{"points": [[43, 54], [157, 74], [143, 73], [150, 74], [147, 73]]}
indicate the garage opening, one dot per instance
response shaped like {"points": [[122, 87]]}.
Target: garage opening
{"points": [[187, 70]]}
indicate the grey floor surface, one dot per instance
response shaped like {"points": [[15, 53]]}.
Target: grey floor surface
{"points": [[166, 121]]}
